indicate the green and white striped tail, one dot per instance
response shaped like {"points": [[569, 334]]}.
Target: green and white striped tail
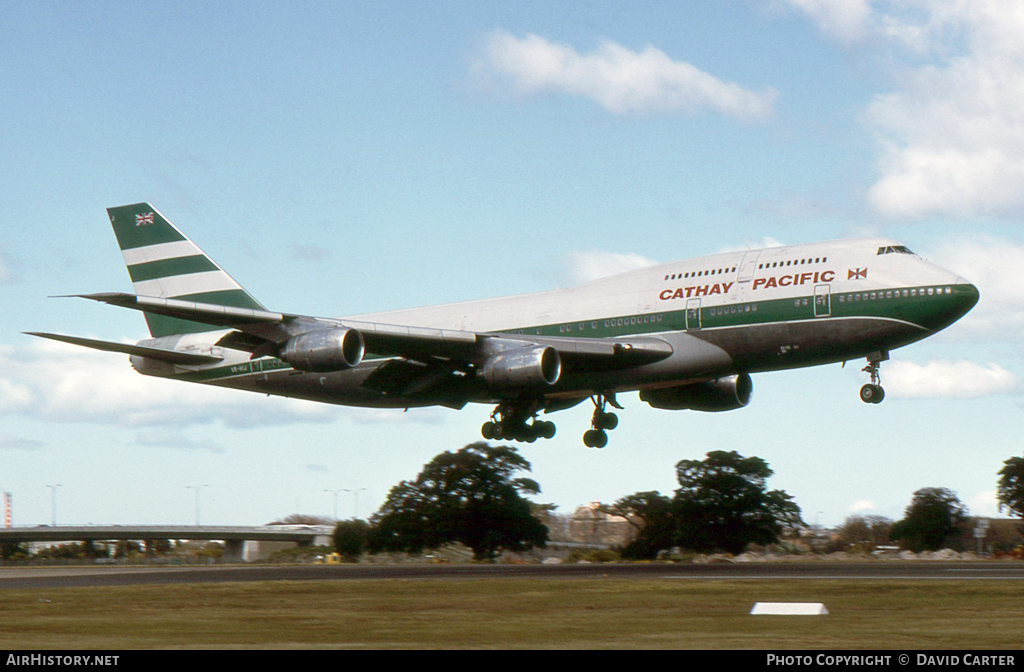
{"points": [[164, 263]]}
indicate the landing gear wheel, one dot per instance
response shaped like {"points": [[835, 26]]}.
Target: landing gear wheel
{"points": [[595, 438], [604, 420], [872, 394], [517, 422], [544, 429]]}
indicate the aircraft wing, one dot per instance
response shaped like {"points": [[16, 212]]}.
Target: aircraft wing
{"points": [[262, 332]]}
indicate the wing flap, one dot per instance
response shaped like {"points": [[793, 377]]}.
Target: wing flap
{"points": [[632, 351]]}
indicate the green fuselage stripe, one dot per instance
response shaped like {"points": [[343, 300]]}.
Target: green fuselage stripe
{"points": [[920, 309], [925, 311]]}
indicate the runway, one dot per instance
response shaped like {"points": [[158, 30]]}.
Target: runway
{"points": [[85, 576]]}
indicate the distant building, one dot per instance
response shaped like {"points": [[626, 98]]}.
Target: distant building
{"points": [[590, 525]]}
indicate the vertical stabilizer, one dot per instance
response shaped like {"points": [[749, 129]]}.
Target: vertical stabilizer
{"points": [[164, 263]]}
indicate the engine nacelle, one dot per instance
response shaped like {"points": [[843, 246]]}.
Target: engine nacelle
{"points": [[724, 394], [535, 366], [324, 350]]}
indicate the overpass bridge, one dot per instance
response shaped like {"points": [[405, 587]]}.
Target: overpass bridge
{"points": [[233, 536]]}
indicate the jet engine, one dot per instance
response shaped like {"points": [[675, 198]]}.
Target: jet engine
{"points": [[324, 350], [724, 394], [523, 367]]}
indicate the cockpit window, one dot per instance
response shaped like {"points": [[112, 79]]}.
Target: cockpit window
{"points": [[894, 249]]}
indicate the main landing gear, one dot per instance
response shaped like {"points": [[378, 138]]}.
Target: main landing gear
{"points": [[597, 436], [517, 423], [872, 393]]}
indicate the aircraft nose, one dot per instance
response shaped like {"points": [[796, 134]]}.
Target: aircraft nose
{"points": [[965, 294], [952, 308]]}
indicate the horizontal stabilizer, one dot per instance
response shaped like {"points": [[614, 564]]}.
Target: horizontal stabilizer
{"points": [[170, 356], [208, 313]]}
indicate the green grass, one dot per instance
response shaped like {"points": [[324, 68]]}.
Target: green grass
{"points": [[519, 613]]}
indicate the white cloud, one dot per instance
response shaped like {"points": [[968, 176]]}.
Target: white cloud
{"points": [[949, 380], [620, 80], [62, 383], [862, 505], [594, 264], [56, 382], [984, 504], [951, 135], [951, 142], [844, 20]]}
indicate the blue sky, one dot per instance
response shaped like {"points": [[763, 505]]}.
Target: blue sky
{"points": [[339, 158]]}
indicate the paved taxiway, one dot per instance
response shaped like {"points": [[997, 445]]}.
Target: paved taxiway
{"points": [[66, 577]]}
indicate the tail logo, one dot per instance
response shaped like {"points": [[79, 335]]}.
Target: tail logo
{"points": [[143, 219]]}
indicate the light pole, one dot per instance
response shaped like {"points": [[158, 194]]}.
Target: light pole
{"points": [[53, 503], [355, 496], [197, 488], [335, 493]]}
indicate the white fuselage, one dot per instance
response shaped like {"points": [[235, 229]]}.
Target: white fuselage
{"points": [[744, 311]]}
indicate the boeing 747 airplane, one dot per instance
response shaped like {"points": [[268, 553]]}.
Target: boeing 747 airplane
{"points": [[686, 334]]}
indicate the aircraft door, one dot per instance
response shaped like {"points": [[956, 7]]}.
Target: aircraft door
{"points": [[692, 314], [259, 372], [747, 266], [822, 301]]}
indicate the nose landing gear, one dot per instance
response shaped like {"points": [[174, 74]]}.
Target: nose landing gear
{"points": [[872, 393]]}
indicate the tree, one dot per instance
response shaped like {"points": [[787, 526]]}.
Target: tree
{"points": [[931, 521], [652, 515], [723, 504], [350, 538], [303, 519], [470, 497], [864, 533], [1011, 486], [12, 550]]}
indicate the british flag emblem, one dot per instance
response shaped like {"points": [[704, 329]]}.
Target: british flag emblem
{"points": [[856, 273], [143, 219]]}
